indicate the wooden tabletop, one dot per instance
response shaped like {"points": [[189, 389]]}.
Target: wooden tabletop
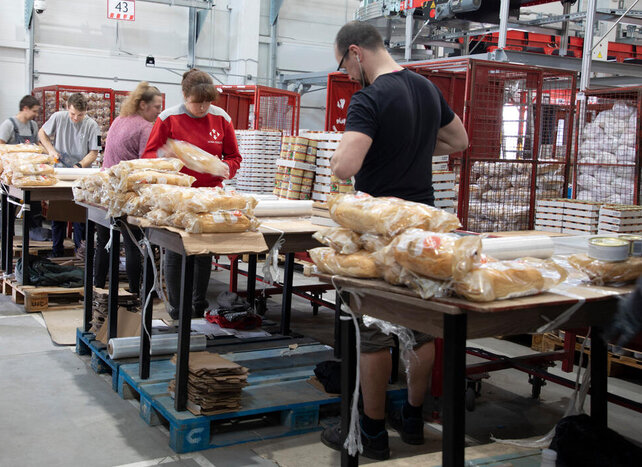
{"points": [[61, 191]]}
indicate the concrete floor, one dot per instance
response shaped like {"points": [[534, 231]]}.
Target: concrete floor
{"points": [[57, 412]]}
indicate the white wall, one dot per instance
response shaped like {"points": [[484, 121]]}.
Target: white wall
{"points": [[13, 43]]}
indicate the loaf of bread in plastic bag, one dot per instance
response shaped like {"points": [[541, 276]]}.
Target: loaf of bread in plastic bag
{"points": [[145, 177], [198, 200], [22, 147], [373, 242], [34, 180], [435, 255], [425, 287], [360, 264], [196, 158], [387, 216], [499, 280], [160, 164], [607, 272], [340, 239], [21, 169], [215, 222]]}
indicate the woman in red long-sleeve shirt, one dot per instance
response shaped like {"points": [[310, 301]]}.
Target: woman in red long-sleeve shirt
{"points": [[202, 124]]}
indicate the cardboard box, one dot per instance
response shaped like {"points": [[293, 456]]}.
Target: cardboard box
{"points": [[67, 211]]}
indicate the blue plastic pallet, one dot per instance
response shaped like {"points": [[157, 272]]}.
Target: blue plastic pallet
{"points": [[86, 344], [278, 389]]}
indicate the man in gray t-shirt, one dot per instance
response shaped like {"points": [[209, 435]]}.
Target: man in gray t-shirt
{"points": [[75, 145], [22, 128], [75, 134]]}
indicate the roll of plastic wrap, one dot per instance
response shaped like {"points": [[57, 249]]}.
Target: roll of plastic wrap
{"points": [[63, 173], [536, 246], [125, 347], [283, 208]]}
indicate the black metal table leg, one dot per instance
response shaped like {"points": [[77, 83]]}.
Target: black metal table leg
{"points": [[114, 263], [11, 217], [286, 304], [90, 228], [26, 220], [337, 325], [145, 342], [184, 324], [5, 247], [251, 279], [598, 378], [454, 415], [348, 374]]}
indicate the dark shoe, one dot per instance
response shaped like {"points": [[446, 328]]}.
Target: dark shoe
{"points": [[39, 234], [173, 314], [411, 429], [373, 447]]}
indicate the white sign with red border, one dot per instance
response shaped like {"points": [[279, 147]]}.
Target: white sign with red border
{"points": [[124, 10]]}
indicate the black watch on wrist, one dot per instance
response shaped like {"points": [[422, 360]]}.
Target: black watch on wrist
{"points": [[78, 164]]}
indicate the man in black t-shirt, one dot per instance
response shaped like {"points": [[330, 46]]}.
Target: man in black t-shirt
{"points": [[395, 124]]}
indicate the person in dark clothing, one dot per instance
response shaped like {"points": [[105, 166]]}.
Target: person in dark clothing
{"points": [[395, 124]]}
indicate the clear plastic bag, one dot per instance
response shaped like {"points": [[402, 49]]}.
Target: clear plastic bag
{"points": [[499, 280], [22, 147], [34, 180], [162, 165], [387, 216], [436, 255], [360, 264], [372, 242], [21, 169], [340, 239], [215, 222], [195, 158], [145, 177], [606, 272]]}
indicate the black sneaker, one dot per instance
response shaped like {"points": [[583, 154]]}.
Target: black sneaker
{"points": [[411, 429], [373, 447]]}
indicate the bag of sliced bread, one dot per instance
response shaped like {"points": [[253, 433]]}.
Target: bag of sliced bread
{"points": [[360, 264]]}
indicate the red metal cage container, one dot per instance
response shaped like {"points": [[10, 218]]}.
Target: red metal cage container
{"points": [[607, 159], [100, 104], [261, 108], [519, 121]]}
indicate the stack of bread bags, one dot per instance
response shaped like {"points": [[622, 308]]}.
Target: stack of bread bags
{"points": [[410, 244], [155, 190], [26, 165]]}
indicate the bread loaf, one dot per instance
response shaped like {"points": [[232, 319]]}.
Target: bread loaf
{"points": [[436, 255], [34, 180], [605, 272], [359, 264], [163, 164], [196, 158], [22, 147], [144, 177], [215, 222], [340, 239], [498, 280], [387, 216], [372, 242]]}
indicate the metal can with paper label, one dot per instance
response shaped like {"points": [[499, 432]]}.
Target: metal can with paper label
{"points": [[635, 242], [610, 249]]}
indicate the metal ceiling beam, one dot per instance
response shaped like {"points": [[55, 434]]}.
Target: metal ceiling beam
{"points": [[198, 4]]}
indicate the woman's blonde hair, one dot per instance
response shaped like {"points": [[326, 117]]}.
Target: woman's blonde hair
{"points": [[143, 93]]}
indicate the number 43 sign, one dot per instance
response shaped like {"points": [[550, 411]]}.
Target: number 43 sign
{"points": [[124, 10]]}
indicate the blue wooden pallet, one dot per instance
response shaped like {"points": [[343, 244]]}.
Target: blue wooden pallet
{"points": [[278, 397], [86, 344]]}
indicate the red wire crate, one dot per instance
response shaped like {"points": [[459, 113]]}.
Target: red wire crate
{"points": [[261, 108], [607, 154], [100, 103]]}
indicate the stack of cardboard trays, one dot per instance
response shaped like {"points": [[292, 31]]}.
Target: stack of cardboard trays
{"points": [[214, 384], [260, 150], [321, 215], [100, 306], [549, 215], [581, 217], [620, 219], [443, 182]]}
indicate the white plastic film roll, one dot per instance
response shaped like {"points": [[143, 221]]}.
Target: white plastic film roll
{"points": [[126, 347], [536, 246], [73, 173], [283, 208]]}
